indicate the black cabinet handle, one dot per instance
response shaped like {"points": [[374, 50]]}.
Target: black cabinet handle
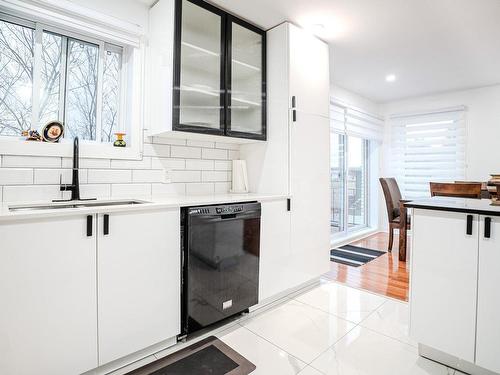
{"points": [[288, 204], [487, 227], [470, 218], [293, 102], [294, 115], [89, 225], [105, 229]]}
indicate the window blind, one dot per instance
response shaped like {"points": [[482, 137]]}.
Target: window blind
{"points": [[364, 125], [428, 147], [348, 120], [337, 118]]}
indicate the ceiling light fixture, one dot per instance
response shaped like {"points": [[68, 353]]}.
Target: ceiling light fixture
{"points": [[390, 77]]}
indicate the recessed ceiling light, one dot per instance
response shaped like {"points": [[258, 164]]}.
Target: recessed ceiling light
{"points": [[390, 77]]}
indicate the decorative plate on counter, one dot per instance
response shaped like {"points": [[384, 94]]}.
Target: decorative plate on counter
{"points": [[52, 131]]}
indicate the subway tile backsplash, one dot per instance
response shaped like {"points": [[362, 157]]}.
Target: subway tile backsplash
{"points": [[169, 167]]}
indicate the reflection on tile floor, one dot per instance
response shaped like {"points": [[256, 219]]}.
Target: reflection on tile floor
{"points": [[332, 330]]}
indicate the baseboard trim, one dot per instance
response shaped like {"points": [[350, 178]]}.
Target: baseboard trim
{"points": [[356, 236], [452, 361]]}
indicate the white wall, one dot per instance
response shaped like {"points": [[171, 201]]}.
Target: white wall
{"points": [[353, 99], [376, 203], [132, 11], [483, 124]]}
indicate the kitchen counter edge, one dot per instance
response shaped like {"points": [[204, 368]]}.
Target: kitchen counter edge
{"points": [[157, 203]]}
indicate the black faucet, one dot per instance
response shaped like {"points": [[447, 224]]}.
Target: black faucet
{"points": [[75, 182]]}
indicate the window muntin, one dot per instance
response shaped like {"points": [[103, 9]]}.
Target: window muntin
{"points": [[58, 77]]}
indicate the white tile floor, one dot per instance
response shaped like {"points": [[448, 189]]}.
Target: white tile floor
{"points": [[330, 329]]}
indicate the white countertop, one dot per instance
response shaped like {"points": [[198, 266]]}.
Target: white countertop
{"points": [[176, 201]]}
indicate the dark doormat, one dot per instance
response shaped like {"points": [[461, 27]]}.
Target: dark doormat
{"points": [[354, 256], [206, 357]]}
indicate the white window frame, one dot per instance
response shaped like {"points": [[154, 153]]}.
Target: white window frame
{"points": [[121, 34]]}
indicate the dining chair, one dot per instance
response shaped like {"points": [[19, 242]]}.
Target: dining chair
{"points": [[459, 190], [393, 203]]}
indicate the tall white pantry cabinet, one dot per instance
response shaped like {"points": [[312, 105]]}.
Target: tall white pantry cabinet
{"points": [[294, 161]]}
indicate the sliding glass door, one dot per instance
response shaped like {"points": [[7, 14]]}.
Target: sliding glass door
{"points": [[349, 183], [337, 174]]}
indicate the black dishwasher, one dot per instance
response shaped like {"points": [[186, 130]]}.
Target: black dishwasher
{"points": [[220, 262]]}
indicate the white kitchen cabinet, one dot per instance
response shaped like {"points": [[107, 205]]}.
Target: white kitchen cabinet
{"points": [[310, 191], [444, 282], [488, 308], [48, 320], [138, 262], [275, 267], [189, 94], [454, 300], [309, 72]]}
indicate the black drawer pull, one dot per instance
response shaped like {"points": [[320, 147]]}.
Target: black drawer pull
{"points": [[288, 204], [487, 227], [293, 102], [105, 229], [294, 115], [470, 218], [89, 226]]}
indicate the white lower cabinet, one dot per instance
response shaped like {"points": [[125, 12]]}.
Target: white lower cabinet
{"points": [[138, 265], [454, 300], [488, 307], [275, 266], [48, 319], [444, 282], [74, 298]]}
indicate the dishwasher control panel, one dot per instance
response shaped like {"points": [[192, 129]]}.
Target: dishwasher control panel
{"points": [[228, 210]]}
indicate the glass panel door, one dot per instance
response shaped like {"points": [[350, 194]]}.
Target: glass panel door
{"points": [[356, 182], [349, 183], [199, 84], [245, 93], [337, 169]]}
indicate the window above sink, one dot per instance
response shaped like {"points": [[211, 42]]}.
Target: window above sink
{"points": [[57, 65]]}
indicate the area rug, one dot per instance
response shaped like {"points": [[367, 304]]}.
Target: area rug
{"points": [[354, 256], [206, 357]]}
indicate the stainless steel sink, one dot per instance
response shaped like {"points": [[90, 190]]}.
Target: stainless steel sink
{"points": [[74, 204]]}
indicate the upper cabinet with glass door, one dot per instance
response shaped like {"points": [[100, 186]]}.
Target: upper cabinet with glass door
{"points": [[246, 115], [199, 87], [219, 73]]}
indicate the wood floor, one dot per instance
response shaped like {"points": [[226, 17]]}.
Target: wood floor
{"points": [[385, 275]]}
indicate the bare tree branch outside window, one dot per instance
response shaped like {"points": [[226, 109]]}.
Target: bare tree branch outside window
{"points": [[16, 78]]}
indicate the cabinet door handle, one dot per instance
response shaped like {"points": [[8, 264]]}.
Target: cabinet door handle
{"points": [[294, 115], [293, 102], [89, 225], [487, 227], [288, 204], [470, 219], [105, 229]]}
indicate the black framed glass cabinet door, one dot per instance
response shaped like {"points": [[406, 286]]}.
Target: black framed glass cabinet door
{"points": [[246, 80], [199, 72]]}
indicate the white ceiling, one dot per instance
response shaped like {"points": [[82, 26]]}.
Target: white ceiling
{"points": [[430, 45]]}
